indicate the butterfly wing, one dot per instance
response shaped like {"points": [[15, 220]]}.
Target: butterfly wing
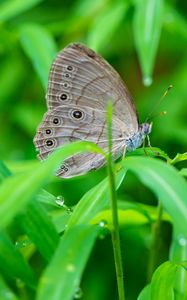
{"points": [[70, 123], [79, 76]]}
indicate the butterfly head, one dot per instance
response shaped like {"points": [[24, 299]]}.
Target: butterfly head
{"points": [[145, 129]]}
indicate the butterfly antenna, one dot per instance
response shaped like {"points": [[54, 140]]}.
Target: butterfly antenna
{"points": [[150, 115]]}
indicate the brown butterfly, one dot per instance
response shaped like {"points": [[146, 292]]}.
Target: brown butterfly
{"points": [[80, 84]]}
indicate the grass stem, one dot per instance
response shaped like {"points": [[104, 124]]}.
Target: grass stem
{"points": [[113, 200], [156, 243]]}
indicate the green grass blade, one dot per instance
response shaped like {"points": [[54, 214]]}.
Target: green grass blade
{"points": [[12, 263], [83, 238], [12, 8], [147, 25], [17, 190], [46, 238], [65, 270], [166, 183], [40, 47]]}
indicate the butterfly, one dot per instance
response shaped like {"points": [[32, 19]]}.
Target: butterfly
{"points": [[80, 84]]}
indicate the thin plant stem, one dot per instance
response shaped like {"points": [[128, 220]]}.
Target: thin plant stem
{"points": [[156, 243], [113, 201]]}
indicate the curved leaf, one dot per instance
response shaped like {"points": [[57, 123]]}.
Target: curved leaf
{"points": [[166, 183], [17, 190], [162, 282]]}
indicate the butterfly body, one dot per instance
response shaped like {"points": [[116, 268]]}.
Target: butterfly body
{"points": [[138, 137], [80, 84]]}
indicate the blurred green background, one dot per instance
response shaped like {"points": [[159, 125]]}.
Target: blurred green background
{"points": [[144, 41]]}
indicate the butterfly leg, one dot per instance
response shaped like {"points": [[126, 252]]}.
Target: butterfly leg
{"points": [[151, 148], [144, 149], [124, 152]]}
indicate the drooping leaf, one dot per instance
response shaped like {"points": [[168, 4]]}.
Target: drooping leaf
{"points": [[147, 24]]}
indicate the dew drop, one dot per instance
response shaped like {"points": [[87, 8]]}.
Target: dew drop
{"points": [[78, 293], [69, 210], [22, 243], [102, 223], [182, 241], [103, 229], [59, 201], [147, 80]]}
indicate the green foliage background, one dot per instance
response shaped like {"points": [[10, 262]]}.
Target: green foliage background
{"points": [[145, 41]]}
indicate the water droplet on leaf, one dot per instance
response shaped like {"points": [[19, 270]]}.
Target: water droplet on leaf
{"points": [[147, 81], [182, 241], [102, 223], [60, 201], [78, 293]]}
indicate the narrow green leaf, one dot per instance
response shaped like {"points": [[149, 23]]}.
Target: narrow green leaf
{"points": [[12, 8], [45, 239], [12, 263], [78, 235], [62, 277], [166, 183], [5, 292], [163, 281], [46, 198], [40, 47], [106, 24], [145, 293], [147, 25], [18, 189]]}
